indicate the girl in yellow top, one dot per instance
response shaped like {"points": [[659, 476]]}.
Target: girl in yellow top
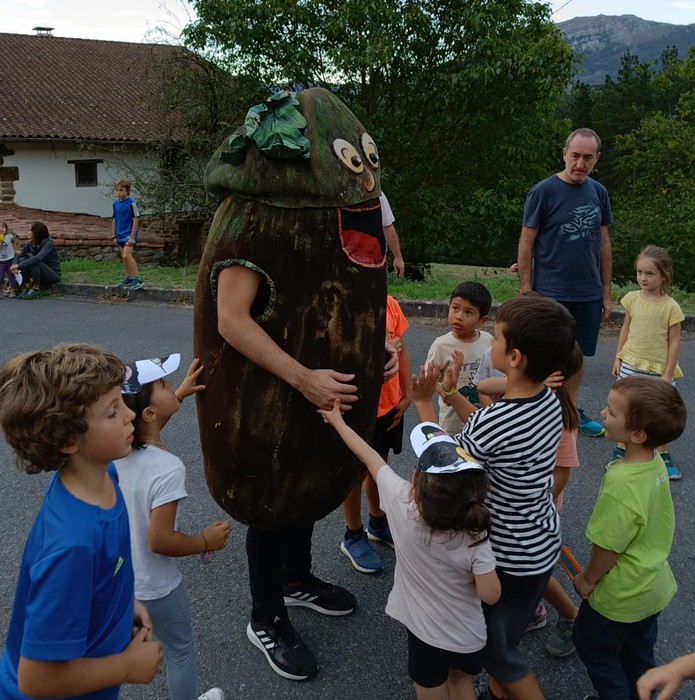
{"points": [[650, 339]]}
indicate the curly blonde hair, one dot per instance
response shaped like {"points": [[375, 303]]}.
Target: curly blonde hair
{"points": [[44, 397]]}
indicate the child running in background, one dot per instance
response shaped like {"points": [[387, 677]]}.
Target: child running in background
{"points": [[153, 484], [469, 306], [6, 260], [628, 580], [71, 633], [559, 643], [125, 228], [650, 339], [388, 435], [444, 562]]}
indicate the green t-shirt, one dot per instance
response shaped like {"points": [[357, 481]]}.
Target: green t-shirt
{"points": [[634, 516]]}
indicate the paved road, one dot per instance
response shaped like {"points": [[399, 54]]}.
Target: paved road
{"points": [[362, 656]]}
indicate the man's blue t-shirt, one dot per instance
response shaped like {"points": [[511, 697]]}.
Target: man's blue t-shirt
{"points": [[566, 253], [75, 590], [123, 214]]}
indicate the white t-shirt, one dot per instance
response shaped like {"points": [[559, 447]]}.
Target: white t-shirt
{"points": [[149, 478], [433, 591], [387, 217], [440, 352], [485, 368], [7, 249]]}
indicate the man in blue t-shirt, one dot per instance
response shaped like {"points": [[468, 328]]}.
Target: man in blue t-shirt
{"points": [[565, 247]]}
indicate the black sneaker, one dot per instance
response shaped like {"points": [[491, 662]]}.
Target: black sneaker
{"points": [[320, 596], [286, 653]]}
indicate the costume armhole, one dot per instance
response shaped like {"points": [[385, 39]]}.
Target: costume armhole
{"points": [[264, 303]]}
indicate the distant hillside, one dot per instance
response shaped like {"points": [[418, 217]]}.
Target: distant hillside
{"points": [[603, 39]]}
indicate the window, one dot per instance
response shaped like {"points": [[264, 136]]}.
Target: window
{"points": [[85, 172]]}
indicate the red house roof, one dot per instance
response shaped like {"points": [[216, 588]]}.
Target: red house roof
{"points": [[82, 89]]}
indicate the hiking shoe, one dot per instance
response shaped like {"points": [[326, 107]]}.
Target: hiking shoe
{"points": [[674, 473], [560, 643], [618, 453], [286, 653], [137, 283], [12, 294], [589, 427], [125, 282], [212, 694], [539, 619], [380, 534], [361, 554], [320, 596], [30, 294]]}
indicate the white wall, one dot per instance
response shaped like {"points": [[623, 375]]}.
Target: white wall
{"points": [[47, 180]]}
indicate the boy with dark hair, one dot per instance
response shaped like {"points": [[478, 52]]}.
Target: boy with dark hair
{"points": [[71, 631], [533, 338], [469, 306], [126, 222], [628, 581]]}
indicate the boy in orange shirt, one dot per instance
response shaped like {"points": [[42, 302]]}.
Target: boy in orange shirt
{"points": [[388, 435]]}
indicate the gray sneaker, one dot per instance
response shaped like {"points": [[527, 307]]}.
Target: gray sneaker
{"points": [[560, 643]]}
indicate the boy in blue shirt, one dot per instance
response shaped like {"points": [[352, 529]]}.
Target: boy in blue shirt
{"points": [[71, 630], [126, 220]]}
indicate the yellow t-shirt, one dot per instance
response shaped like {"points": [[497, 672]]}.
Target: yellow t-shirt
{"points": [[646, 347]]}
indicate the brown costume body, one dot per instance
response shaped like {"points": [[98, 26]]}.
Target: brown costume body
{"points": [[269, 459]]}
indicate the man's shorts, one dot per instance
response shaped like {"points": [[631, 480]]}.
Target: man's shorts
{"points": [[506, 622], [122, 243], [385, 440], [587, 314], [429, 666]]}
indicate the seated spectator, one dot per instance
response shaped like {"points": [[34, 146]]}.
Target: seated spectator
{"points": [[39, 263]]}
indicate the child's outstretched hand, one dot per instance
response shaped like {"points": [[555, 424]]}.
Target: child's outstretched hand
{"points": [[189, 385], [450, 373], [216, 535], [425, 381], [333, 417]]}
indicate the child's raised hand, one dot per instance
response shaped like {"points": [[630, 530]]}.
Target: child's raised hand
{"points": [[555, 380], [451, 371], [189, 385], [143, 658], [333, 417], [216, 535], [425, 381]]}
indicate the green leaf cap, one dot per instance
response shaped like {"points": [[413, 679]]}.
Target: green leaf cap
{"points": [[275, 126]]}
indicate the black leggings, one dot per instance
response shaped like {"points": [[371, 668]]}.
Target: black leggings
{"points": [[276, 557], [40, 274]]}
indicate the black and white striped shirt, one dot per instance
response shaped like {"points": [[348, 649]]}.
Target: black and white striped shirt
{"points": [[516, 441]]}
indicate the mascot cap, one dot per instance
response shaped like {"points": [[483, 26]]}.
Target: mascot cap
{"points": [[438, 452], [142, 372]]}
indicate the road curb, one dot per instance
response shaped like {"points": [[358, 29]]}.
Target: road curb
{"points": [[413, 308]]}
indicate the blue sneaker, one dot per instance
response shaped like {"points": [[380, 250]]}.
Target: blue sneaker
{"points": [[380, 534], [125, 282], [618, 453], [137, 283], [589, 427], [359, 551], [674, 473]]}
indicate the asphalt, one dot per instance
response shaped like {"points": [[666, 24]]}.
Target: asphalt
{"points": [[361, 656]]}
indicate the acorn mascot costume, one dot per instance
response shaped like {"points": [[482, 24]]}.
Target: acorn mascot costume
{"points": [[300, 181]]}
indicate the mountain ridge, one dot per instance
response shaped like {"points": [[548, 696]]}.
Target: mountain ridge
{"points": [[602, 40]]}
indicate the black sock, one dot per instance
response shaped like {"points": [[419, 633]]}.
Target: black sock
{"points": [[351, 533], [376, 522]]}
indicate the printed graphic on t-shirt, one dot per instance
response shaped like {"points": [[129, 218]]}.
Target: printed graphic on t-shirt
{"points": [[583, 223]]}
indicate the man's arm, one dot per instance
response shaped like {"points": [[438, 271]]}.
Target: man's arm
{"points": [[237, 287], [394, 244], [524, 257], [606, 262]]}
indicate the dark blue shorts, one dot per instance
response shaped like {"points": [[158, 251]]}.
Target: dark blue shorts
{"points": [[506, 623], [429, 666], [385, 440], [587, 314]]}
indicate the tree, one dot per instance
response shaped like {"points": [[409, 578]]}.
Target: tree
{"points": [[460, 98], [655, 161]]}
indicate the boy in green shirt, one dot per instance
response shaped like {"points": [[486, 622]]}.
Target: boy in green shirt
{"points": [[628, 581]]}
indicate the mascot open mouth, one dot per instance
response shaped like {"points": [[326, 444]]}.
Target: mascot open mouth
{"points": [[362, 235]]}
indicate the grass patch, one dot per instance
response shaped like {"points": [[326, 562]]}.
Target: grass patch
{"points": [[502, 284]]}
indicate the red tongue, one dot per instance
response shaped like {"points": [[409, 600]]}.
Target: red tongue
{"points": [[362, 248]]}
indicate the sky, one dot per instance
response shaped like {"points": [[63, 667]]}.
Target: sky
{"points": [[136, 20]]}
